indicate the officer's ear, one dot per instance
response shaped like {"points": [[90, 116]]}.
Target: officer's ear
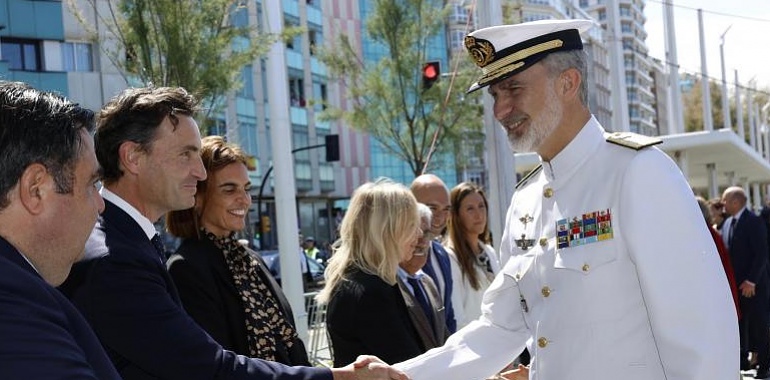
{"points": [[569, 83]]}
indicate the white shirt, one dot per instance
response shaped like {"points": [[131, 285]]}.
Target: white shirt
{"points": [[146, 224], [648, 302], [728, 224], [466, 301]]}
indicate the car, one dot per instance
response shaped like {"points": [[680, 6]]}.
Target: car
{"points": [[312, 282]]}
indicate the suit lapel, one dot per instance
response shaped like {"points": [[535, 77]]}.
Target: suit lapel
{"points": [[438, 307], [125, 227], [420, 321]]}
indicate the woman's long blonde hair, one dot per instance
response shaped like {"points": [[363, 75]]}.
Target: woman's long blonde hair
{"points": [[380, 215]]}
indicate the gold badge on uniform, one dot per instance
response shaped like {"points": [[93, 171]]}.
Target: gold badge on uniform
{"points": [[588, 228]]}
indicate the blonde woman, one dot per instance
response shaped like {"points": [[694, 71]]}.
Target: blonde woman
{"points": [[366, 313], [474, 262]]}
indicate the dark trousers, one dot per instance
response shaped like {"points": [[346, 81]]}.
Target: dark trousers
{"points": [[753, 328]]}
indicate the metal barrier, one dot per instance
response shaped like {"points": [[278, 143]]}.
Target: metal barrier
{"points": [[319, 350]]}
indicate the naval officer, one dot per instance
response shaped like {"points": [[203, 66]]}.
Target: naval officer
{"points": [[611, 272]]}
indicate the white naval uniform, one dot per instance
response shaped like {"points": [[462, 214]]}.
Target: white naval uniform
{"points": [[650, 303]]}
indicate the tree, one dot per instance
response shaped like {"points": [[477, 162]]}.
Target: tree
{"points": [[388, 101], [693, 100], [188, 43]]}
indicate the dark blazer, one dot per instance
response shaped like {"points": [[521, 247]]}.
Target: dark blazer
{"points": [[366, 315], [749, 251], [446, 273], [127, 295], [210, 297], [430, 336], [42, 336]]}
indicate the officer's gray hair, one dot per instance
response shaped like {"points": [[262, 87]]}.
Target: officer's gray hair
{"points": [[557, 62]]}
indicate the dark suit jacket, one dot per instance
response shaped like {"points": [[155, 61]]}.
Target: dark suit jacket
{"points": [[430, 336], [42, 336], [127, 295], [446, 274], [366, 315], [749, 251], [210, 297]]}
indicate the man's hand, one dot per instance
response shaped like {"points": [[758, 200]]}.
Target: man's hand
{"points": [[521, 373], [368, 368], [747, 289]]}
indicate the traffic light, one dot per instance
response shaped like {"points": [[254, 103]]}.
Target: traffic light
{"points": [[430, 74], [265, 224], [332, 143]]}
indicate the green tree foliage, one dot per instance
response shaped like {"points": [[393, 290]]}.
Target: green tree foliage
{"points": [[693, 109], [388, 101], [188, 43]]}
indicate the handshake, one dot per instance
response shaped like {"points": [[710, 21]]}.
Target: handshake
{"points": [[372, 368]]}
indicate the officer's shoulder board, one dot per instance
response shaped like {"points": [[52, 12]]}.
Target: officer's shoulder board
{"points": [[529, 175], [632, 140]]}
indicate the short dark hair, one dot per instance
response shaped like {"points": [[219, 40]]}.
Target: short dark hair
{"points": [[135, 115], [216, 153], [39, 127]]}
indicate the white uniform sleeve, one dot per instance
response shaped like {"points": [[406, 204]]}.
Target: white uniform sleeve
{"points": [[685, 291], [482, 348]]}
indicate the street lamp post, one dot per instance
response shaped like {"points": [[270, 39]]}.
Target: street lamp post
{"points": [[725, 101]]}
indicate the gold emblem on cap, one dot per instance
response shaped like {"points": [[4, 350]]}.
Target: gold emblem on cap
{"points": [[481, 51]]}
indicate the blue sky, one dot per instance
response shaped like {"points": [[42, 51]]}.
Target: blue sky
{"points": [[747, 43]]}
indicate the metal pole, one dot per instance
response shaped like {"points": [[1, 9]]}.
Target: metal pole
{"points": [[708, 122], [677, 115], [501, 162], [285, 193], [725, 102], [620, 116], [262, 191], [739, 108]]}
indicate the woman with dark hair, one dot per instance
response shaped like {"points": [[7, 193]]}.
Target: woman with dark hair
{"points": [[224, 286], [474, 261]]}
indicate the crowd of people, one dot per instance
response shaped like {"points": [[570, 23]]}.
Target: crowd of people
{"points": [[615, 273]]}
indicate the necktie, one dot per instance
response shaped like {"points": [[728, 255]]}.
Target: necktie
{"points": [[158, 244], [419, 294], [731, 232]]}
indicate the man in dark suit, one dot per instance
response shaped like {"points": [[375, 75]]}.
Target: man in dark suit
{"points": [[746, 237], [431, 191], [48, 205], [422, 298], [148, 143]]}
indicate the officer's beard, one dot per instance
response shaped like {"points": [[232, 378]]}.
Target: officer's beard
{"points": [[539, 127]]}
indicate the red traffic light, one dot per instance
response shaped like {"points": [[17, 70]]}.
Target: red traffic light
{"points": [[430, 74], [430, 71]]}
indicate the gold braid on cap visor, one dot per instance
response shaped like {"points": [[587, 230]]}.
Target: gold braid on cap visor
{"points": [[506, 64]]}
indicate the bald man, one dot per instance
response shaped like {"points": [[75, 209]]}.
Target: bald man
{"points": [[745, 236], [430, 190]]}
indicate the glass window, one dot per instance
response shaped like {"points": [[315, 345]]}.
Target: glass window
{"points": [[247, 83], [21, 54], [76, 56]]}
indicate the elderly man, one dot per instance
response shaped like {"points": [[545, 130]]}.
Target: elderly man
{"points": [[48, 206], [430, 190], [423, 301], [612, 273]]}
